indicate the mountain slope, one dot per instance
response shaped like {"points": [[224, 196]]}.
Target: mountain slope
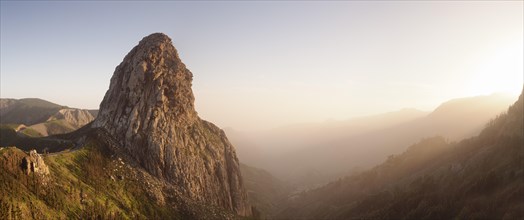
{"points": [[97, 181], [63, 121], [149, 110], [26, 111], [40, 118], [329, 159], [264, 190], [147, 155], [479, 178]]}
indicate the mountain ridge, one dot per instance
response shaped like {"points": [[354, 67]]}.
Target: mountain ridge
{"points": [[479, 177], [465, 117], [34, 117]]}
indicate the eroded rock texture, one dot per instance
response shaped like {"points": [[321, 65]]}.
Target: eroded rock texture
{"points": [[33, 163], [149, 110], [74, 117]]}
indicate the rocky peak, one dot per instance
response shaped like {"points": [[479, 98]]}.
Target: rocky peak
{"points": [[149, 110], [151, 77]]}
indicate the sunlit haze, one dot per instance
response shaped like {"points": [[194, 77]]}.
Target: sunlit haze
{"points": [[265, 64]]}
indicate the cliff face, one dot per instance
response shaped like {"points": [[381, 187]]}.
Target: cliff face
{"points": [[149, 110]]}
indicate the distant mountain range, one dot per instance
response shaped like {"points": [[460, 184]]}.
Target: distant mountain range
{"points": [[477, 178], [264, 189], [146, 155], [315, 153], [301, 168], [39, 118]]}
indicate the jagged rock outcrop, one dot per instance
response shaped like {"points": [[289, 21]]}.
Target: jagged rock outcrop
{"points": [[33, 163], [149, 110]]}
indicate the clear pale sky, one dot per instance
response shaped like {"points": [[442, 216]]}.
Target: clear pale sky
{"points": [[265, 64]]}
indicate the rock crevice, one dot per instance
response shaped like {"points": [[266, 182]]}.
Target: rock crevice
{"points": [[149, 109], [33, 163]]}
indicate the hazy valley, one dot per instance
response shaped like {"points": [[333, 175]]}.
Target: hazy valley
{"points": [[352, 184], [262, 110], [103, 168], [307, 155]]}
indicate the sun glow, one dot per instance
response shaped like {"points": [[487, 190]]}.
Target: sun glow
{"points": [[501, 72]]}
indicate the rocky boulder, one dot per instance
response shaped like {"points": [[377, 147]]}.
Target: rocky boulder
{"points": [[33, 163]]}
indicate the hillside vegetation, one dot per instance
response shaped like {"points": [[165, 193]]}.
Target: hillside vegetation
{"points": [[93, 182], [26, 111], [477, 178], [39, 118]]}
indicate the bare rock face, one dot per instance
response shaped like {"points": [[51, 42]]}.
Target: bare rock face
{"points": [[34, 164], [149, 110], [75, 117]]}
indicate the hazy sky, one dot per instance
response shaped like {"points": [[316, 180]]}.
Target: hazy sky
{"points": [[264, 64]]}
